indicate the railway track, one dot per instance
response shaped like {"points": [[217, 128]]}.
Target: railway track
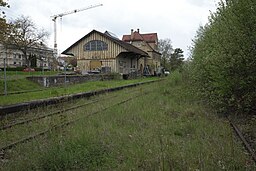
{"points": [[41, 132], [246, 144], [49, 114], [9, 109], [65, 111]]}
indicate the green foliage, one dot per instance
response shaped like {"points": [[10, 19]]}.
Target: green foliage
{"points": [[19, 84], [171, 59], [74, 154], [224, 63], [176, 59], [164, 129], [24, 84], [3, 24], [175, 78]]}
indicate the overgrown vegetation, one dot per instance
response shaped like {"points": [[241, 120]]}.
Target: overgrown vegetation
{"points": [[171, 59], [165, 129], [223, 58], [24, 84], [17, 82], [3, 24]]}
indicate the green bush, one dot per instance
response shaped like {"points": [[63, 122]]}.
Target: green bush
{"points": [[223, 58]]}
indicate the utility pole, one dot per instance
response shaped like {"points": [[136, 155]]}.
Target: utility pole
{"points": [[54, 18]]}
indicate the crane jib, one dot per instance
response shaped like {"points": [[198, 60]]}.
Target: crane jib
{"points": [[54, 18]]}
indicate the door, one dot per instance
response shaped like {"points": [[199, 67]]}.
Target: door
{"points": [[95, 64]]}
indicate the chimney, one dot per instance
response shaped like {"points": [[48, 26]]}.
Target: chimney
{"points": [[132, 34], [138, 30]]}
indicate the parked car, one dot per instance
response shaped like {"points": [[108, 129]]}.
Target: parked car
{"points": [[166, 72], [29, 70]]}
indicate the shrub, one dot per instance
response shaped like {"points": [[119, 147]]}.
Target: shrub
{"points": [[223, 58]]}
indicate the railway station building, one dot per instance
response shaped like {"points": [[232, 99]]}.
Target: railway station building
{"points": [[105, 52]]}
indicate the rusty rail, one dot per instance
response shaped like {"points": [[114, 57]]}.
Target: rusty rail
{"points": [[242, 138]]}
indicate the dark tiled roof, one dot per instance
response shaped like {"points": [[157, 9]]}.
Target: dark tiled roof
{"points": [[127, 46]]}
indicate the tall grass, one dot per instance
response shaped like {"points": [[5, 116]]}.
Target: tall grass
{"points": [[166, 129], [17, 85], [16, 81], [59, 91]]}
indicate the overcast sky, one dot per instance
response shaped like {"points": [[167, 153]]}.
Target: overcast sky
{"points": [[174, 19]]}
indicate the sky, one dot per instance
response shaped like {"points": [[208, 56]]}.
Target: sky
{"points": [[177, 20]]}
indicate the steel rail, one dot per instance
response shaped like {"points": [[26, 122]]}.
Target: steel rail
{"points": [[57, 126], [13, 108], [53, 113], [244, 141]]}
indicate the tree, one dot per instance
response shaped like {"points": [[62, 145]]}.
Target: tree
{"points": [[3, 4], [166, 49], [3, 24], [223, 58], [25, 36], [176, 59]]}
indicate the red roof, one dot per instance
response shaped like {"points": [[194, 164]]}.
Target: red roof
{"points": [[149, 37]]}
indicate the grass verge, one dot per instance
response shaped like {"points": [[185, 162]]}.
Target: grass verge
{"points": [[60, 91]]}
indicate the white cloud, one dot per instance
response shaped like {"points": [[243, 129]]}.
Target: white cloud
{"points": [[177, 20]]}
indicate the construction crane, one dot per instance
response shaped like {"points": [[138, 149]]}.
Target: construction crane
{"points": [[54, 18]]}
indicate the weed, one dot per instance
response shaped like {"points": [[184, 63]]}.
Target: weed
{"points": [[150, 132]]}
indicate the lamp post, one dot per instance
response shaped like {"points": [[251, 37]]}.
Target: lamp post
{"points": [[42, 66], [5, 79], [65, 73]]}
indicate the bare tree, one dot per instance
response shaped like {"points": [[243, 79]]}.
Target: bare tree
{"points": [[166, 49], [25, 36]]}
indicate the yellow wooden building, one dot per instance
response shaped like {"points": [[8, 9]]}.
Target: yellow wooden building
{"points": [[103, 51]]}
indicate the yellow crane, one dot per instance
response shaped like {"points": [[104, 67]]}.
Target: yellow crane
{"points": [[54, 18]]}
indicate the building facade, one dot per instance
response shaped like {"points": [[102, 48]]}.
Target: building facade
{"points": [[41, 57], [105, 52], [149, 43]]}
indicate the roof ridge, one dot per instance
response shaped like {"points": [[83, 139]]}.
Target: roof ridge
{"points": [[118, 41], [123, 42]]}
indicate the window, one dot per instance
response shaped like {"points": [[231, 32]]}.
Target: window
{"points": [[95, 45]]}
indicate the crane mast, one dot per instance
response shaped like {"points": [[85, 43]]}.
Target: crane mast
{"points": [[54, 18]]}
